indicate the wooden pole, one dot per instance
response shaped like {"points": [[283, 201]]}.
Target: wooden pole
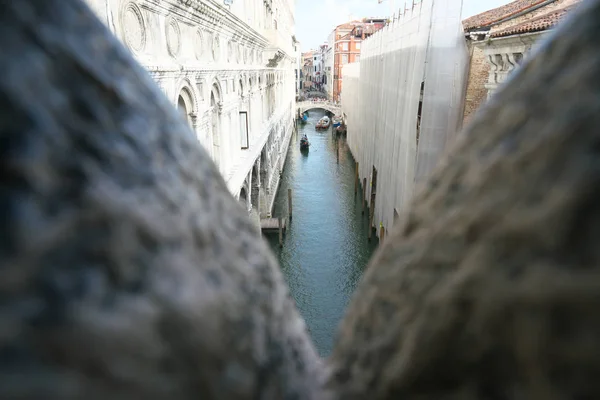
{"points": [[364, 195], [337, 149], [356, 180], [381, 233], [290, 203], [370, 226], [280, 222]]}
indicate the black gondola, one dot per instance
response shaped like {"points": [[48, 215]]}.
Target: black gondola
{"points": [[304, 143]]}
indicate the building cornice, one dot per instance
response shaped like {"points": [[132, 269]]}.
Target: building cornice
{"points": [[211, 12], [520, 39]]}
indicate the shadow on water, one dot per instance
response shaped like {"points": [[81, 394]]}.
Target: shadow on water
{"points": [[325, 250]]}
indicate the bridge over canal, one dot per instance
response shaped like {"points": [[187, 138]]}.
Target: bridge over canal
{"points": [[324, 105]]}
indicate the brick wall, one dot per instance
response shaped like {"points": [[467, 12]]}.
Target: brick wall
{"points": [[478, 75]]}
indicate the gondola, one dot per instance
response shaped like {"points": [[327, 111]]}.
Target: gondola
{"points": [[304, 143]]}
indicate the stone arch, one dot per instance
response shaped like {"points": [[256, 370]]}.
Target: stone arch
{"points": [[243, 196], [216, 84], [264, 166], [216, 120], [255, 193], [187, 101]]}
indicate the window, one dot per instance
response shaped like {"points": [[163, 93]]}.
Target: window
{"points": [[357, 45], [244, 129], [315, 68], [345, 46], [344, 58]]}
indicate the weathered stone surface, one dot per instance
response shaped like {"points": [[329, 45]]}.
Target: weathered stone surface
{"points": [[127, 270], [491, 287]]}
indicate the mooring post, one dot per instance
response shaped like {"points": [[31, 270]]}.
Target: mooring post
{"points": [[280, 222], [364, 195], [356, 180], [370, 226], [290, 203], [337, 149], [381, 233]]}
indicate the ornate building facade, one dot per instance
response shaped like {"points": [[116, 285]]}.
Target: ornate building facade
{"points": [[501, 39], [229, 66]]}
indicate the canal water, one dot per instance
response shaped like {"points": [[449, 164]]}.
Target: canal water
{"points": [[325, 250]]}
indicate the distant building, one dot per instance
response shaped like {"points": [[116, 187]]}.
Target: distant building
{"points": [[328, 66], [500, 39], [318, 67], [344, 42], [299, 64], [308, 72]]}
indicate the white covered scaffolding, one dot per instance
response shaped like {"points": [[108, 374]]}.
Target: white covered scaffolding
{"points": [[403, 102]]}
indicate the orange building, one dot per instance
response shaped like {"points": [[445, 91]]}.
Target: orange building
{"points": [[345, 42]]}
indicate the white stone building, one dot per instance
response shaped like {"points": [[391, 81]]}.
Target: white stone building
{"points": [[299, 66], [328, 65], [229, 66], [319, 64]]}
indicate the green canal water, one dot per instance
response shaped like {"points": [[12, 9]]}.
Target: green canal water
{"points": [[325, 250]]}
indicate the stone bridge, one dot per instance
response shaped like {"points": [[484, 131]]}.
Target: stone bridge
{"points": [[324, 105]]}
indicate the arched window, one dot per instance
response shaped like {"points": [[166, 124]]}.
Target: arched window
{"points": [[185, 105], [182, 107], [243, 119]]}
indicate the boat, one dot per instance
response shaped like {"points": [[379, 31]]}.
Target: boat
{"points": [[337, 121], [304, 118], [323, 123], [341, 130], [304, 143]]}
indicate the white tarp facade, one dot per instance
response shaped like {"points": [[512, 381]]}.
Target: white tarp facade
{"points": [[420, 58]]}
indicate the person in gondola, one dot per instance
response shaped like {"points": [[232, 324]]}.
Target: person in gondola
{"points": [[304, 141]]}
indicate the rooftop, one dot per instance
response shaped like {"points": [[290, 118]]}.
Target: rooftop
{"points": [[487, 18], [537, 24]]}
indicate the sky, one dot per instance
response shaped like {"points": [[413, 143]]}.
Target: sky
{"points": [[315, 19]]}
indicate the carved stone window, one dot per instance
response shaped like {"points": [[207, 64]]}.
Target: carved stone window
{"points": [[199, 45], [229, 51], [133, 27], [173, 37], [216, 48]]}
